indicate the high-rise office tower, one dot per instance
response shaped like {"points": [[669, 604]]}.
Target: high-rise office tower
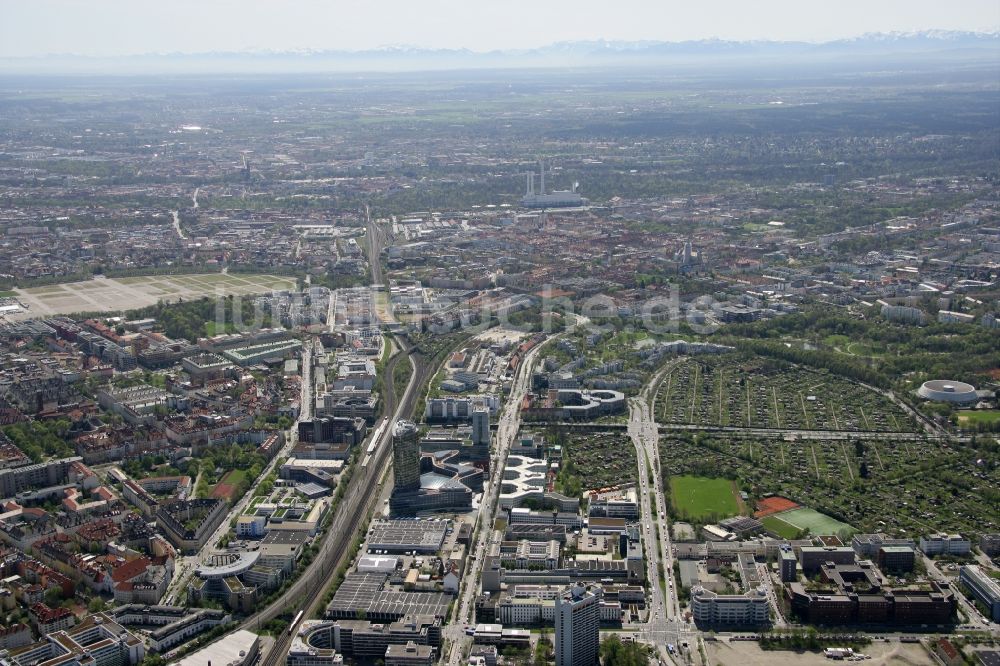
{"points": [[578, 627], [406, 456], [481, 426]]}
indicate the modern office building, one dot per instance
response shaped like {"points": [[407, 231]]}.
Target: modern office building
{"points": [[97, 641], [896, 559], [406, 456], [742, 610], [578, 623], [481, 426], [990, 544], [945, 544], [206, 367], [458, 409], [868, 545], [789, 566], [424, 483], [813, 557], [856, 594], [249, 355], [983, 587], [410, 654]]}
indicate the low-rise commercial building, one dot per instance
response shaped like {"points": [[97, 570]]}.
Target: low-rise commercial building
{"points": [[813, 557], [174, 624], [945, 544], [983, 587], [739, 610], [98, 641], [239, 648]]}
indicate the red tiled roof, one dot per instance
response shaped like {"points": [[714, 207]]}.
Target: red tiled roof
{"points": [[130, 570]]}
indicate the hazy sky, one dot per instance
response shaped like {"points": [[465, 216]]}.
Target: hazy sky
{"points": [[117, 27]]}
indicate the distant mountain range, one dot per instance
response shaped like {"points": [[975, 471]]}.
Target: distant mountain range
{"points": [[936, 43]]}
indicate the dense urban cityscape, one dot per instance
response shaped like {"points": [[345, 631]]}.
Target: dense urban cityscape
{"points": [[615, 364]]}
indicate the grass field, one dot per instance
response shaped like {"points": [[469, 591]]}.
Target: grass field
{"points": [[702, 498], [814, 521], [979, 416], [780, 527], [229, 484]]}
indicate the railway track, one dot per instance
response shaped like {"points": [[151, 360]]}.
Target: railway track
{"points": [[302, 599], [359, 500]]}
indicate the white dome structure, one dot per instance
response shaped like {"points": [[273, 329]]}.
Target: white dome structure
{"points": [[945, 390]]}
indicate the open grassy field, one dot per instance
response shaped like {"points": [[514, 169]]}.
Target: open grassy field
{"points": [[816, 522], [703, 498], [118, 294], [781, 528], [979, 416], [229, 484]]}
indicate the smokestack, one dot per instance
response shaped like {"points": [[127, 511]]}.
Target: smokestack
{"points": [[541, 165]]}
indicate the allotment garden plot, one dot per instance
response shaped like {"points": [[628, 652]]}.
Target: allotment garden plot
{"points": [[871, 483], [761, 393], [593, 461]]}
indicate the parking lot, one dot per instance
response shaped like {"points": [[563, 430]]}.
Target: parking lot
{"points": [[749, 653]]}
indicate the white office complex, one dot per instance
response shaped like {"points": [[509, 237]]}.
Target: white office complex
{"points": [[983, 588], [578, 623], [945, 544], [711, 609]]}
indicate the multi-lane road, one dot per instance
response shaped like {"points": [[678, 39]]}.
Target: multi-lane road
{"points": [[664, 625], [507, 428]]}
